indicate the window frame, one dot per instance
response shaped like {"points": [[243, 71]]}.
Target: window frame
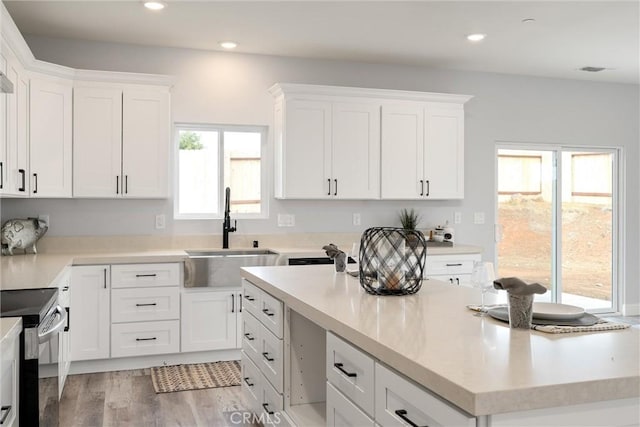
{"points": [[221, 129], [619, 202]]}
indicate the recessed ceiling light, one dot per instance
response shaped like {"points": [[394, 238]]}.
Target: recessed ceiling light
{"points": [[478, 37], [155, 5], [228, 45], [528, 20]]}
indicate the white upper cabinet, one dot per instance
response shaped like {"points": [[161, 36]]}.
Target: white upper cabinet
{"points": [[97, 142], [444, 151], [355, 151], [146, 122], [402, 152], [3, 130], [304, 149], [327, 148], [353, 143], [50, 137], [15, 147], [121, 142], [423, 151]]}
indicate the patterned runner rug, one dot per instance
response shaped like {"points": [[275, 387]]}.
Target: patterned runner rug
{"points": [[197, 376]]}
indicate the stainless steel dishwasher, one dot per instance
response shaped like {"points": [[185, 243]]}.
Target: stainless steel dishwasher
{"points": [[221, 268]]}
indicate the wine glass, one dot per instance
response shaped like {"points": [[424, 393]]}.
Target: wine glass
{"points": [[482, 277]]}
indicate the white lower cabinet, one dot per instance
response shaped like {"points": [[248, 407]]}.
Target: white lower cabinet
{"points": [[145, 338], [250, 383], [124, 310], [399, 402], [9, 372], [210, 319], [342, 412], [452, 269], [90, 322], [271, 358]]}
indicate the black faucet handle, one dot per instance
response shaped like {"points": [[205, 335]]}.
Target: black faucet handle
{"points": [[235, 225]]}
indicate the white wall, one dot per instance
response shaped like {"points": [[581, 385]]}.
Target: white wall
{"points": [[231, 88]]}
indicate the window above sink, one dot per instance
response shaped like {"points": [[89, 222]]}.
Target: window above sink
{"points": [[211, 157]]}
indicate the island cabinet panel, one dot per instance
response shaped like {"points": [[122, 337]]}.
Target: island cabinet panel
{"points": [[342, 412], [9, 377], [452, 269], [399, 402]]}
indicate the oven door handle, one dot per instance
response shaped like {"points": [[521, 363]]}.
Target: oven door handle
{"points": [[55, 329]]}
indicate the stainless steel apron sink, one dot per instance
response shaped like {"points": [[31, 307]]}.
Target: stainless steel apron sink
{"points": [[221, 268]]}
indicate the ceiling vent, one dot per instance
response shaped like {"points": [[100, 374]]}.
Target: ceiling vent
{"points": [[592, 69]]}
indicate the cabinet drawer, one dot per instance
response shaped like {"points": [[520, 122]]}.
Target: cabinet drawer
{"points": [[400, 402], [458, 279], [270, 358], [251, 383], [145, 304], [251, 298], [271, 313], [341, 412], [271, 403], [251, 336], [145, 275], [143, 338], [350, 371]]}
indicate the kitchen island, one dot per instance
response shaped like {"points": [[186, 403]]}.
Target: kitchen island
{"points": [[477, 364]]}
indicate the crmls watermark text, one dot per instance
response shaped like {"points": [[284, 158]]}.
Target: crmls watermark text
{"points": [[248, 418]]}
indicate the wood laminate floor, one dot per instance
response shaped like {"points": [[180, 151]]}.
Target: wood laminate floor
{"points": [[127, 398]]}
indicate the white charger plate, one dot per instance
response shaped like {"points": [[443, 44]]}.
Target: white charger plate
{"points": [[553, 311]]}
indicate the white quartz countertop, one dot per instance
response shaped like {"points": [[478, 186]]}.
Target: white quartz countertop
{"points": [[477, 363]]}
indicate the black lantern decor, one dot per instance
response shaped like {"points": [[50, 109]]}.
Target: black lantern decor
{"points": [[392, 260]]}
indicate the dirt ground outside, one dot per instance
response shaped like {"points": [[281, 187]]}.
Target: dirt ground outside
{"points": [[525, 250]]}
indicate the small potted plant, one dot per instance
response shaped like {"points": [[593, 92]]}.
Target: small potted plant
{"points": [[409, 219]]}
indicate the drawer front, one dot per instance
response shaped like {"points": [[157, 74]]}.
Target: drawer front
{"points": [[400, 402], [341, 412], [450, 264], [351, 371], [271, 358], [251, 298], [251, 386], [457, 279], [272, 313], [251, 337], [145, 275], [145, 304], [271, 404], [144, 338]]}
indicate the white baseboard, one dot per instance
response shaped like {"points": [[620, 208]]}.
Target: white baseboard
{"points": [[128, 363], [631, 309]]}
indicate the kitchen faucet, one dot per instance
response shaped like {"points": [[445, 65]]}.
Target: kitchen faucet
{"points": [[226, 224]]}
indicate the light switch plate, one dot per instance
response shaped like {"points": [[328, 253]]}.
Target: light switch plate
{"points": [[356, 219], [160, 222], [478, 218]]}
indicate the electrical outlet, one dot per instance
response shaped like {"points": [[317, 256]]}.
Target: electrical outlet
{"points": [[160, 222], [356, 219], [478, 218], [45, 218], [286, 220], [457, 217]]}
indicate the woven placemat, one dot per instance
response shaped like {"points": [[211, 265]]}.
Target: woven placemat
{"points": [[197, 376]]}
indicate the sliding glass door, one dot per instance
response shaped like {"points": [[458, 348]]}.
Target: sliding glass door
{"points": [[557, 211]]}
